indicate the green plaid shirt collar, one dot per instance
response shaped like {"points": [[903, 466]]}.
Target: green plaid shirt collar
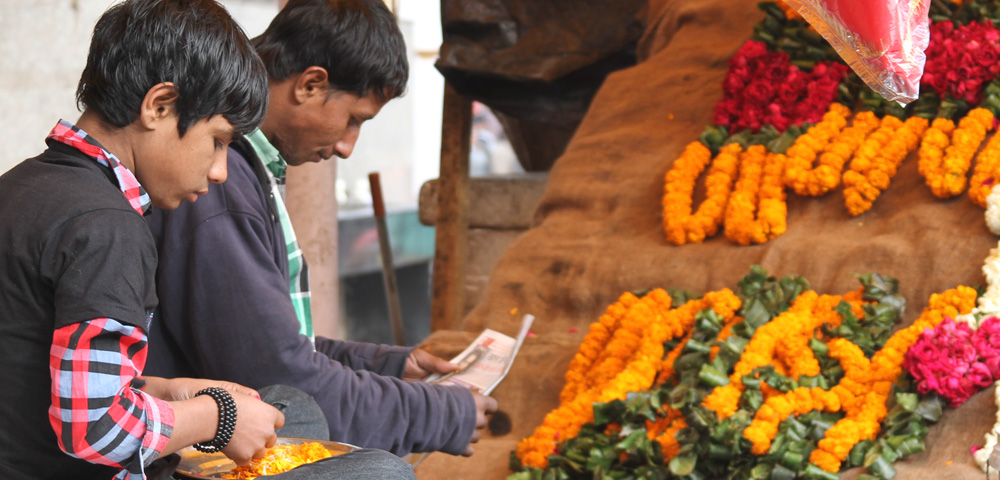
{"points": [[298, 272]]}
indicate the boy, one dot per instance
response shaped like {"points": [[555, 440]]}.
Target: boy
{"points": [[332, 65], [167, 86]]}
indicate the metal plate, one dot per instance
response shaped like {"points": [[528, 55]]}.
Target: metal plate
{"points": [[198, 465]]}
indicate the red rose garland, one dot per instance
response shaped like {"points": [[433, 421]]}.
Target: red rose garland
{"points": [[764, 88], [961, 60]]}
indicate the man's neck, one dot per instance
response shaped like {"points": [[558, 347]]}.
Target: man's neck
{"points": [[114, 140]]}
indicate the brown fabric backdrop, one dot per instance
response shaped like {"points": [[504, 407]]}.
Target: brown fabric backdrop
{"points": [[598, 234]]}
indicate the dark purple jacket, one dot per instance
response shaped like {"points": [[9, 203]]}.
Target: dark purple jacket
{"points": [[225, 314]]}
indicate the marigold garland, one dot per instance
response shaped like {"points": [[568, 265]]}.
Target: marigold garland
{"points": [[593, 345], [986, 174], [866, 386], [680, 225], [862, 392], [828, 136], [651, 319], [877, 160], [945, 172], [761, 189], [796, 325]]}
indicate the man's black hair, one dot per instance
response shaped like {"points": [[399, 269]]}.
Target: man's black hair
{"points": [[357, 41], [195, 44]]}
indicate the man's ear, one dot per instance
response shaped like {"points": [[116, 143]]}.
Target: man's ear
{"points": [[312, 82], [158, 104]]}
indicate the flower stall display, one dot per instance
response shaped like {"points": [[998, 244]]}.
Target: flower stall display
{"points": [[794, 117], [770, 380]]}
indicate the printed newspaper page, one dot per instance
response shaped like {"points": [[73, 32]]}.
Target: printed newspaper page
{"points": [[486, 361]]}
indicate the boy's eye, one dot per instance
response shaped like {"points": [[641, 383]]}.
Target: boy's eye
{"points": [[219, 145]]}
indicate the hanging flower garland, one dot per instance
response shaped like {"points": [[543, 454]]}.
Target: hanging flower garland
{"points": [[759, 190], [680, 224], [878, 159], [946, 173]]}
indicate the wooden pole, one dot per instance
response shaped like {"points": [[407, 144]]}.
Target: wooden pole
{"points": [[388, 266], [451, 227]]}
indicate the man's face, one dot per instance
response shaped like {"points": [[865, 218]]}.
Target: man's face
{"points": [[324, 126], [173, 168]]}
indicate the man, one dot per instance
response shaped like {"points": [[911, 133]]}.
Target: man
{"points": [[168, 84], [232, 282]]}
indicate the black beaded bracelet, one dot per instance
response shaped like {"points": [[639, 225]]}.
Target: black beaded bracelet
{"points": [[227, 420]]}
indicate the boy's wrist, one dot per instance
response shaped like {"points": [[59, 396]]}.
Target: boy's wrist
{"points": [[226, 420]]}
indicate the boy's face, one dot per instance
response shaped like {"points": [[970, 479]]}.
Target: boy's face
{"points": [[174, 168], [325, 126]]}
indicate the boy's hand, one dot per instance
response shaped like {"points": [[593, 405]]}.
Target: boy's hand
{"points": [[184, 388], [422, 363], [256, 422]]}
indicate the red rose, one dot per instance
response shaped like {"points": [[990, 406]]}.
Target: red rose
{"points": [[759, 92], [732, 85], [788, 94], [776, 73], [985, 57]]}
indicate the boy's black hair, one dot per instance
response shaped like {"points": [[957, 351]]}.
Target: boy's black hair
{"points": [[357, 41], [195, 44]]}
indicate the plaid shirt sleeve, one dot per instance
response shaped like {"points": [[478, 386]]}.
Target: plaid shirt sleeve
{"points": [[98, 411]]}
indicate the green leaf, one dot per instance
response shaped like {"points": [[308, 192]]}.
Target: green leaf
{"points": [[761, 471], [882, 468], [907, 401], [781, 473], [812, 472], [683, 464], [907, 445], [793, 460], [711, 376], [608, 412], [930, 408]]}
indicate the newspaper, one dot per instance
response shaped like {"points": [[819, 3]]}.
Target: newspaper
{"points": [[481, 366], [486, 361]]}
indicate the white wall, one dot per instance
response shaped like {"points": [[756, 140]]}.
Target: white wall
{"points": [[43, 44]]}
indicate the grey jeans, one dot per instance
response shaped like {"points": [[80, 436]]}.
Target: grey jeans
{"points": [[304, 419]]}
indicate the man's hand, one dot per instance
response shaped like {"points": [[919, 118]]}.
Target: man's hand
{"points": [[484, 406], [422, 363]]}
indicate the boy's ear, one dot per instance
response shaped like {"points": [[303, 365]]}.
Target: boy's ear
{"points": [[158, 104], [312, 82]]}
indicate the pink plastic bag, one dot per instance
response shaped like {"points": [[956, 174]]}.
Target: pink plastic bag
{"points": [[882, 40]]}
